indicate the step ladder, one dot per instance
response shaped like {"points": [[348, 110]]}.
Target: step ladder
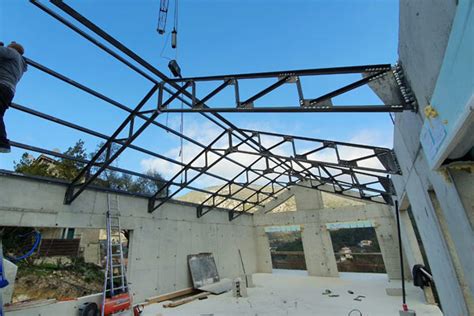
{"points": [[115, 281]]}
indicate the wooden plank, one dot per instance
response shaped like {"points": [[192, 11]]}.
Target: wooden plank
{"points": [[288, 253], [28, 305], [187, 300], [169, 296]]}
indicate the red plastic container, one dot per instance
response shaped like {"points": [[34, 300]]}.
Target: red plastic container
{"points": [[117, 303]]}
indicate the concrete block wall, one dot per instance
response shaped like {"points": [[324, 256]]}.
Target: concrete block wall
{"points": [[160, 242]]}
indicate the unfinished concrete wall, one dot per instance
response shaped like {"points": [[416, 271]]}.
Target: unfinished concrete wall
{"points": [[89, 245], [264, 257], [319, 255], [160, 241], [51, 307], [435, 197]]}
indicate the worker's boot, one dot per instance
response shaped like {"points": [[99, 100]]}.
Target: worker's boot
{"points": [[5, 147]]}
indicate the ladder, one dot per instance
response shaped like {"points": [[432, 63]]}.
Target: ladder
{"points": [[115, 279]]}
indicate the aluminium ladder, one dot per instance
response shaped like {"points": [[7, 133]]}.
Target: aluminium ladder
{"points": [[115, 279]]}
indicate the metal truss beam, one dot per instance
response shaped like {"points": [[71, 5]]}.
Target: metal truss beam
{"points": [[111, 168], [323, 103], [207, 165], [101, 33], [87, 23], [81, 181], [349, 176], [294, 109], [122, 107], [385, 156], [241, 186], [104, 137], [294, 72], [344, 175]]}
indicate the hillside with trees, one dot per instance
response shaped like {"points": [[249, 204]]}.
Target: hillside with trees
{"points": [[68, 169]]}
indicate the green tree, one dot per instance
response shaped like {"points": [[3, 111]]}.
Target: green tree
{"points": [[68, 169], [27, 165]]}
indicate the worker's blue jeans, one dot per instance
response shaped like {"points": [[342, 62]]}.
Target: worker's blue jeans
{"points": [[6, 97]]}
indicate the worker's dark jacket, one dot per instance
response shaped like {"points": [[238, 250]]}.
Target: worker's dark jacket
{"points": [[12, 67]]}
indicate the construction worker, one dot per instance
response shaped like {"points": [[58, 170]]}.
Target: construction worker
{"points": [[12, 67]]}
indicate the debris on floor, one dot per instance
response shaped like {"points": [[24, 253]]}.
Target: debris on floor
{"points": [[359, 298], [199, 296]]}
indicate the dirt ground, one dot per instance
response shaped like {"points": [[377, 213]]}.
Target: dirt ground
{"points": [[35, 283]]}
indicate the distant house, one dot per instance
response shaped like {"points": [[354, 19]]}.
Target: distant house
{"points": [[47, 161], [365, 243], [345, 253]]}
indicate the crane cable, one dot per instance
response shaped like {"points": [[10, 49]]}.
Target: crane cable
{"points": [[174, 40]]}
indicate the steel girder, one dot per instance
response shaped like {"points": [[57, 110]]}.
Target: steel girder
{"points": [[219, 121], [297, 167], [371, 73], [117, 104], [357, 171]]}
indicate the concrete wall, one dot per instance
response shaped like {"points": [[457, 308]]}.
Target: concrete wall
{"points": [[319, 255], [52, 307], [436, 198], [160, 241]]}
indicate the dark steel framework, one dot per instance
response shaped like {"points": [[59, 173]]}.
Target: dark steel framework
{"points": [[281, 161], [322, 103]]}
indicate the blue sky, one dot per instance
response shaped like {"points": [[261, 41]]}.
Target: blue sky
{"points": [[215, 37]]}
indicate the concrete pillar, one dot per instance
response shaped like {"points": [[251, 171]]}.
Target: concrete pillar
{"points": [[307, 199], [386, 231], [264, 258], [411, 250], [90, 244], [318, 252], [317, 244]]}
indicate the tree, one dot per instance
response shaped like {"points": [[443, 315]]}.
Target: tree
{"points": [[68, 169], [148, 186], [27, 165]]}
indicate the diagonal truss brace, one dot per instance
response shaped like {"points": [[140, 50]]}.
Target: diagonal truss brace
{"points": [[85, 176]]}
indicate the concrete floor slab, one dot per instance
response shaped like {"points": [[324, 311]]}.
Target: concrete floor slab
{"points": [[287, 292]]}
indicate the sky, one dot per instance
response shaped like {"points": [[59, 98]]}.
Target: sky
{"points": [[214, 38]]}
